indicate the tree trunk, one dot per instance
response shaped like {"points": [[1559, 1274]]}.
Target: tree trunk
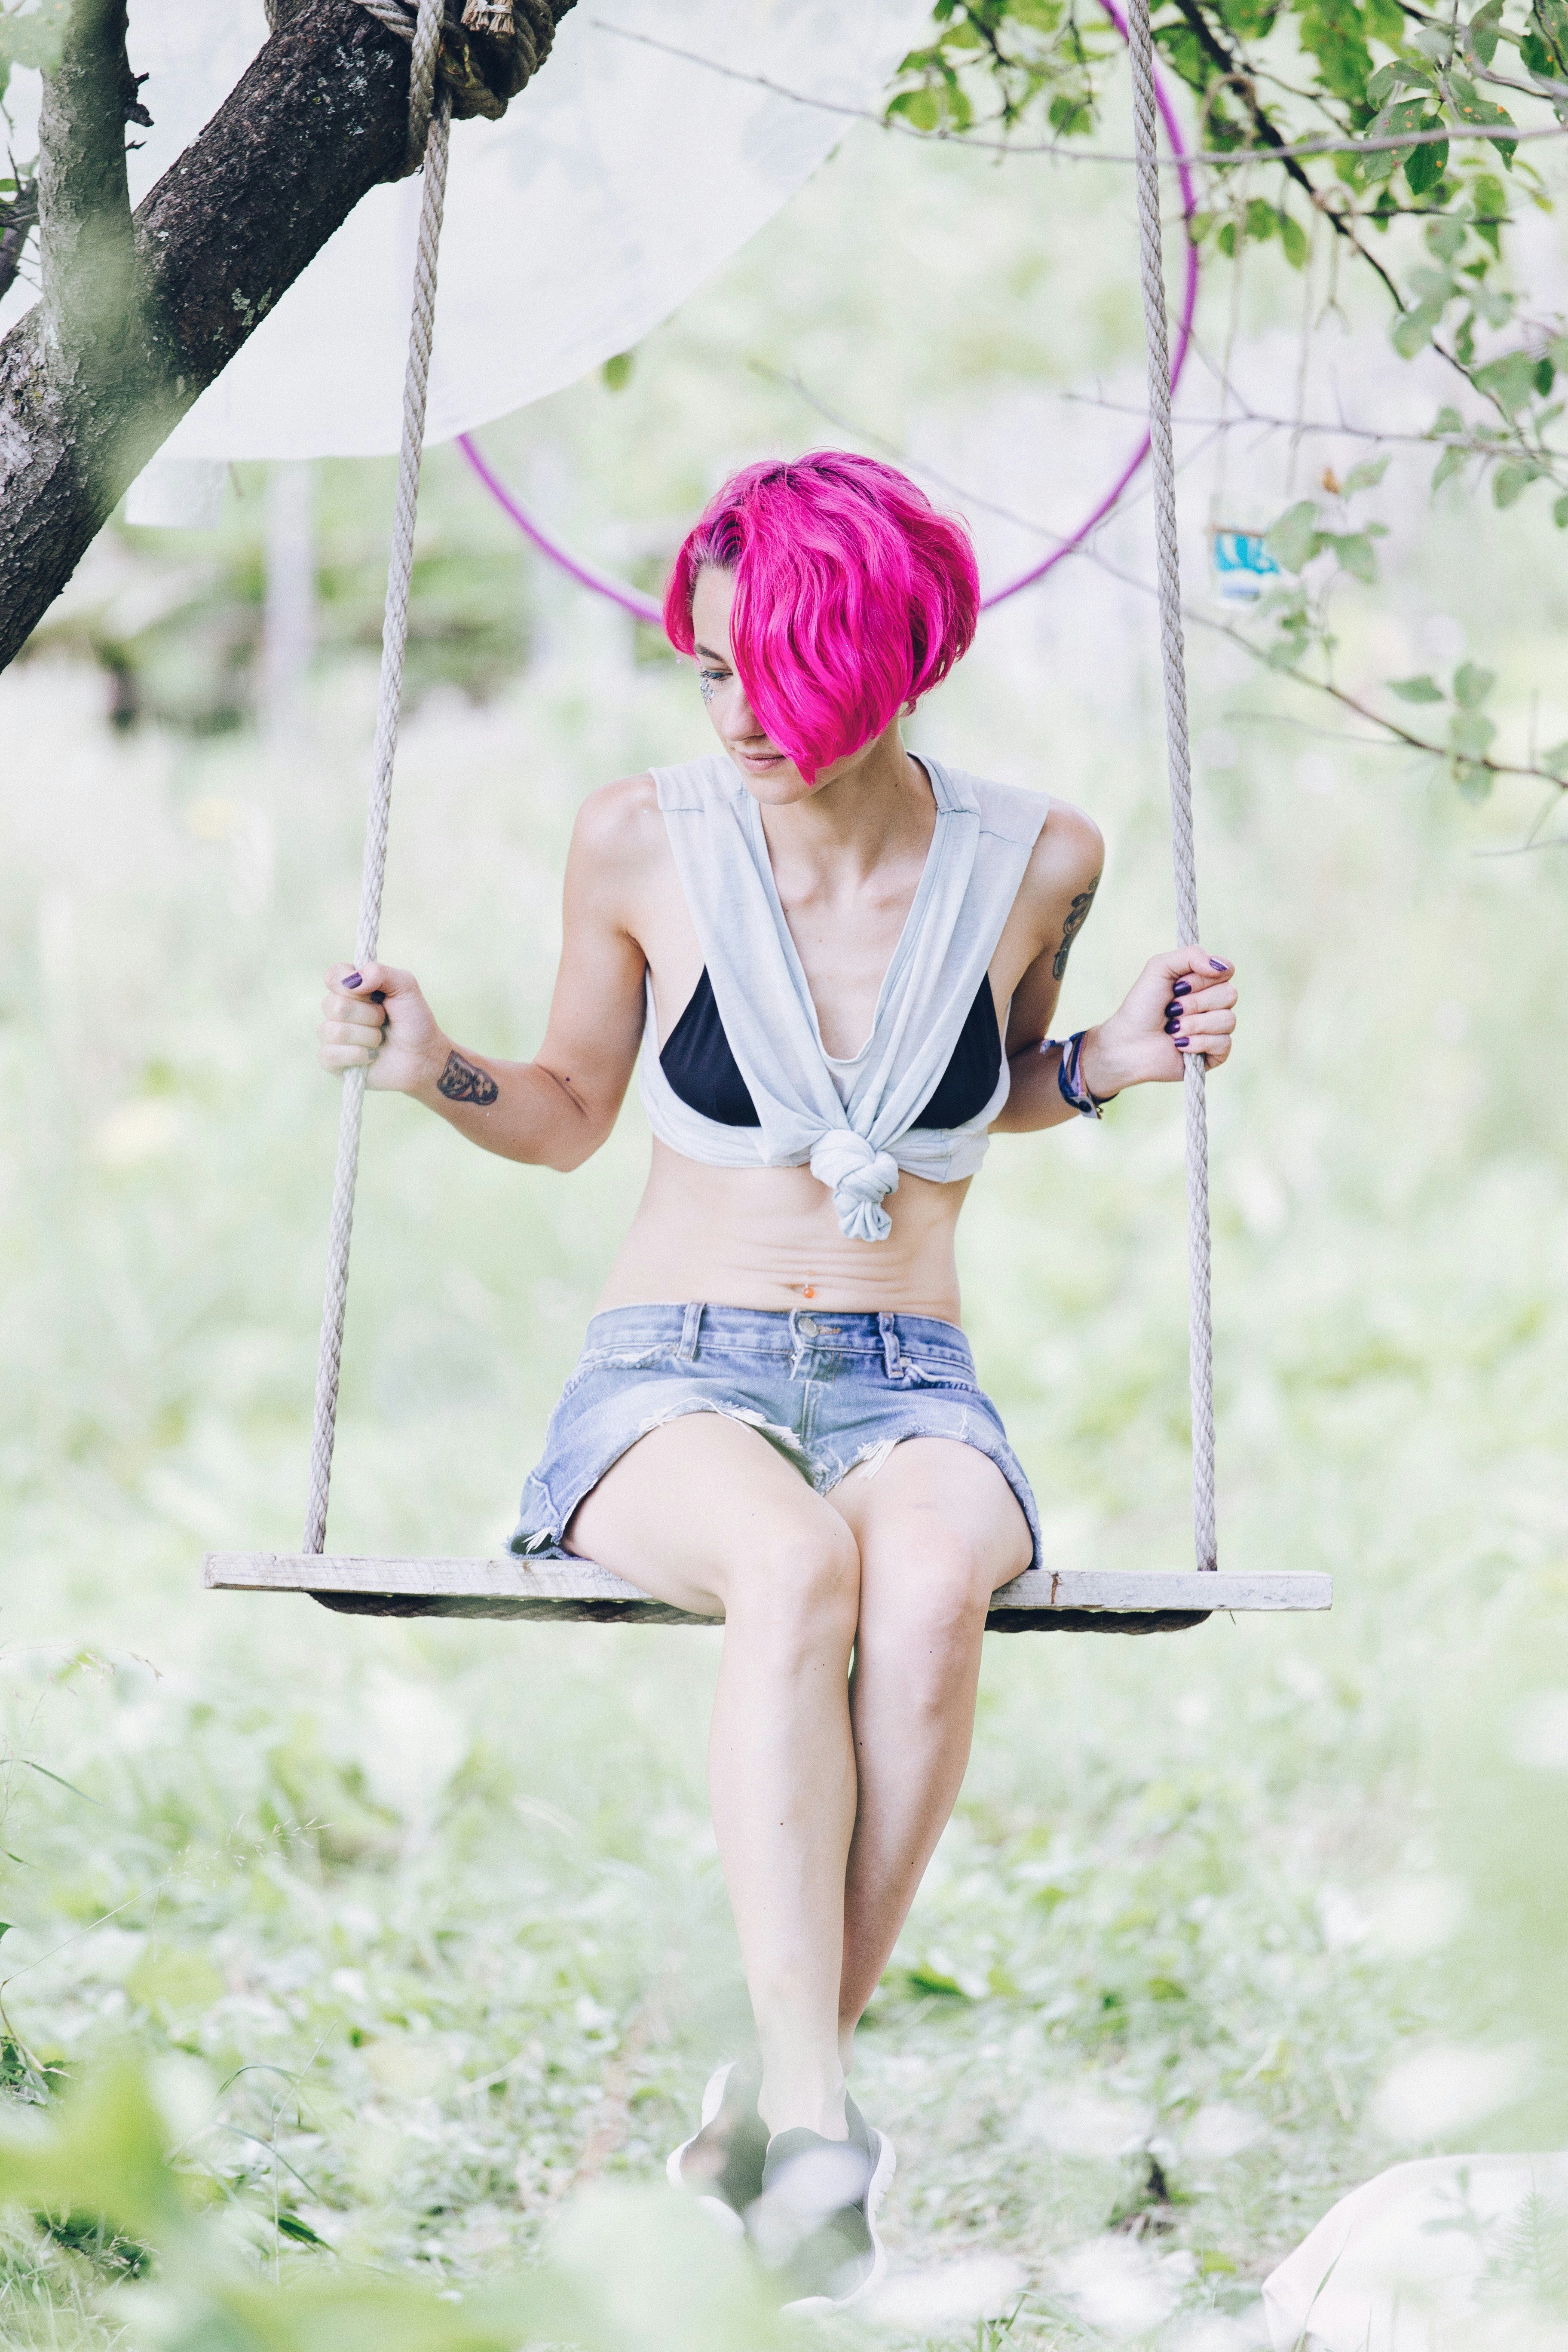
{"points": [[138, 317]]}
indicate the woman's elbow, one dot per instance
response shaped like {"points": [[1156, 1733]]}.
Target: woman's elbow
{"points": [[573, 1146]]}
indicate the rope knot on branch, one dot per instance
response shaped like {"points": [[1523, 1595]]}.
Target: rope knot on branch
{"points": [[489, 49]]}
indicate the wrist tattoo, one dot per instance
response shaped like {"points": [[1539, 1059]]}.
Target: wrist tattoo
{"points": [[1077, 915], [462, 1082]]}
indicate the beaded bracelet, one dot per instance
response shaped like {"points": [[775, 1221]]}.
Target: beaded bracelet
{"points": [[1070, 1077]]}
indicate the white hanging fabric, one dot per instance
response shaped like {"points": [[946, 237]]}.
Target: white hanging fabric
{"points": [[614, 185]]}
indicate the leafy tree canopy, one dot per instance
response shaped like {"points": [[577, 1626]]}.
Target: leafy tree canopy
{"points": [[1463, 101]]}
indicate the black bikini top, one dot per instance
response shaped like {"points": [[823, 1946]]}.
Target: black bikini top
{"points": [[701, 1066]]}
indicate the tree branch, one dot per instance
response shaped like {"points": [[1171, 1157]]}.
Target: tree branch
{"points": [[317, 120], [84, 203]]}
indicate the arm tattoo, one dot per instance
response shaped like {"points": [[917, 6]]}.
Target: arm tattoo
{"points": [[1077, 915], [462, 1082]]}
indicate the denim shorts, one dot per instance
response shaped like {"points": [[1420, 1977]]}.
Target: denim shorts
{"points": [[827, 1390]]}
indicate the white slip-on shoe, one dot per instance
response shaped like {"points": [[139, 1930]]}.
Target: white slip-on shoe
{"points": [[815, 2220]]}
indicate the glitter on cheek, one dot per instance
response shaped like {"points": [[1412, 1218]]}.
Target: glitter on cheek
{"points": [[707, 686]]}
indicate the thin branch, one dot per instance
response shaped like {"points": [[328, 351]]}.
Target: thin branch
{"points": [[1389, 726], [1476, 448], [1231, 156]]}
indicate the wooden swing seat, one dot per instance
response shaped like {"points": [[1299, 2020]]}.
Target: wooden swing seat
{"points": [[1043, 1601]]}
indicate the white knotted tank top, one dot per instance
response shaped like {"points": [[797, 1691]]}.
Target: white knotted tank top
{"points": [[847, 1116]]}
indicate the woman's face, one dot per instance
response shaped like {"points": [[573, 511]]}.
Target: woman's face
{"points": [[771, 776]]}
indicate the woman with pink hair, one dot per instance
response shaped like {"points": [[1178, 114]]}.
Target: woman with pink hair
{"points": [[838, 963]]}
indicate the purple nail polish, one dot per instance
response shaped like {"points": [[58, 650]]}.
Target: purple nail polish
{"points": [[1171, 1027], [1181, 1044], [353, 979], [1218, 965], [1183, 987]]}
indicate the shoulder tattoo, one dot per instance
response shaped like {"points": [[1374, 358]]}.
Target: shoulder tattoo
{"points": [[462, 1082], [1077, 915]]}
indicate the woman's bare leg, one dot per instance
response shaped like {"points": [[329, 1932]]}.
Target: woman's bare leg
{"points": [[705, 1514], [938, 1530]]}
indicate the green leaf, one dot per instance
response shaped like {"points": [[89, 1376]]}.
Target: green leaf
{"points": [[1293, 237], [1555, 761], [1451, 462], [1472, 684], [1551, 17], [1482, 32], [1413, 333], [1475, 783], [932, 1982], [1560, 513], [618, 371], [1424, 166], [1406, 114], [918, 107], [1356, 555], [1365, 476], [1448, 420], [1471, 107], [1068, 116], [1295, 539], [1510, 482], [1471, 734], [1446, 237], [291, 2226], [1416, 689], [59, 1781], [1261, 221], [104, 2156], [1510, 380], [33, 39]]}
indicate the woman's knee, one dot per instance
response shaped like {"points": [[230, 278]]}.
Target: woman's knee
{"points": [[925, 1594], [800, 1584]]}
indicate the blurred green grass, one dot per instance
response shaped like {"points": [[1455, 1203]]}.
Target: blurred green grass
{"points": [[426, 1917]]}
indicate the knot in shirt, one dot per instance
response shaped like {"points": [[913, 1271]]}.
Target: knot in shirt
{"points": [[859, 1178]]}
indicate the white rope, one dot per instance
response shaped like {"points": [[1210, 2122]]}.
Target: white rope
{"points": [[428, 124], [1146, 136]]}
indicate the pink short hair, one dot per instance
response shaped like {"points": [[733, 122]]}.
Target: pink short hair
{"points": [[853, 597]]}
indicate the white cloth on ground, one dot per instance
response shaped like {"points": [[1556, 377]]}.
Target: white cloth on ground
{"points": [[847, 1116], [1434, 2256]]}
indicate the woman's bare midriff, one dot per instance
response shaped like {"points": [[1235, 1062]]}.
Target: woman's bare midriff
{"points": [[769, 1237]]}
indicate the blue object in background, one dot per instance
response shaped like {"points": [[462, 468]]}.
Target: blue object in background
{"points": [[1242, 564]]}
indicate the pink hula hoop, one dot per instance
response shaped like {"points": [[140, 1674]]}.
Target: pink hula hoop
{"points": [[643, 608]]}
